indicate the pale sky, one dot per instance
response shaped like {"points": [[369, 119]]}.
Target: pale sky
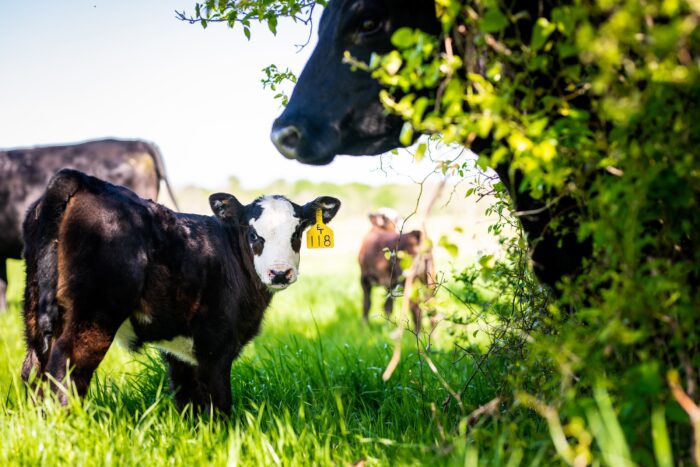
{"points": [[73, 70]]}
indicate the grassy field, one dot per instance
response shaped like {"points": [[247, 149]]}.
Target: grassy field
{"points": [[307, 391]]}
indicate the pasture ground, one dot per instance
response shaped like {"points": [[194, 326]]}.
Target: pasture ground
{"points": [[307, 391]]}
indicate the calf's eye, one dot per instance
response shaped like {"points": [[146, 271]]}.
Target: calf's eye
{"points": [[370, 25], [252, 236]]}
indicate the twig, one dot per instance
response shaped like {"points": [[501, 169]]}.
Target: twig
{"points": [[690, 407], [310, 23], [489, 408], [549, 204], [532, 212], [689, 374], [398, 333], [497, 45]]}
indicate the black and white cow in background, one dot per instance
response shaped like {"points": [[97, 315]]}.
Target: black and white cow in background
{"points": [[24, 173], [334, 110], [103, 263]]}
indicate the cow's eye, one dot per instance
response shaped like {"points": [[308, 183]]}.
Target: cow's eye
{"points": [[370, 26], [252, 236]]}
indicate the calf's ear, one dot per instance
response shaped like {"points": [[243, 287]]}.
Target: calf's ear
{"points": [[225, 206], [327, 204]]}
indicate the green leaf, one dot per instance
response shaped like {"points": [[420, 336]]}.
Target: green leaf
{"points": [[403, 38], [660, 437], [272, 24], [450, 247], [405, 260], [420, 152], [493, 21], [246, 31], [406, 136], [543, 29], [392, 62], [487, 261], [419, 108], [536, 128]]}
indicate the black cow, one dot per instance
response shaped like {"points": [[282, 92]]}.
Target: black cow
{"points": [[334, 110], [103, 263], [24, 173]]}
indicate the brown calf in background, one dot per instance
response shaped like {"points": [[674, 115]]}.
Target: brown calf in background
{"points": [[377, 269]]}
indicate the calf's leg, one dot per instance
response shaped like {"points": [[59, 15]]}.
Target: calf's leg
{"points": [[79, 349], [417, 315], [37, 346], [366, 297], [389, 304], [185, 383], [31, 367], [215, 375], [3, 284], [217, 380], [204, 386]]}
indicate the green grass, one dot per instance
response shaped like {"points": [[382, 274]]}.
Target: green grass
{"points": [[307, 391]]}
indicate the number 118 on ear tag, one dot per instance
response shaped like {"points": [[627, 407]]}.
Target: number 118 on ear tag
{"points": [[319, 235]]}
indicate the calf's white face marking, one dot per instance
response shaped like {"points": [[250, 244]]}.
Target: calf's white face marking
{"points": [[275, 227]]}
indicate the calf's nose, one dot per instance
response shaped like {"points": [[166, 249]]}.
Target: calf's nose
{"points": [[286, 139], [280, 277]]}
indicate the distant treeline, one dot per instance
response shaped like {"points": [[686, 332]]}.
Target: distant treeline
{"points": [[358, 198]]}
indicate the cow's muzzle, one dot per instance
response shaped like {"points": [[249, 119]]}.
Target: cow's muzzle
{"points": [[304, 141], [286, 139]]}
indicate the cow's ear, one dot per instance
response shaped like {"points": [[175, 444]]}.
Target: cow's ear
{"points": [[327, 204], [225, 206]]}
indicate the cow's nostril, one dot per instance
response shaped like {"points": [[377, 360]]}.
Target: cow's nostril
{"points": [[286, 140], [291, 137]]}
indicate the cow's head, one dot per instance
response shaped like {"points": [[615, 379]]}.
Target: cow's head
{"points": [[410, 242], [272, 227], [334, 110]]}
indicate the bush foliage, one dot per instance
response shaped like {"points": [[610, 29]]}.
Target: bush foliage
{"points": [[599, 102]]}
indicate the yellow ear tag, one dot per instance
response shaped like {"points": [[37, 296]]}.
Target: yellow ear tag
{"points": [[320, 235]]}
